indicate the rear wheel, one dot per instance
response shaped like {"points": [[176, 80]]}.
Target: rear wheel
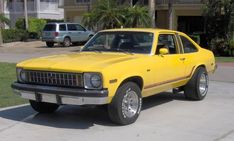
{"points": [[66, 42], [49, 44], [197, 87], [43, 107], [126, 104]]}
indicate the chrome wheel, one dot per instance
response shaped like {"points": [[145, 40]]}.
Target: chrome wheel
{"points": [[130, 104], [203, 84]]}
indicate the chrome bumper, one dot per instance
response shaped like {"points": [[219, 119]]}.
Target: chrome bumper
{"points": [[60, 95]]}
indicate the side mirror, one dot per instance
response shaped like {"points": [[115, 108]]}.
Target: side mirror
{"points": [[163, 51]]}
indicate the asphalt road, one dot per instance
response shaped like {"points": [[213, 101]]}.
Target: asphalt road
{"points": [[164, 117]]}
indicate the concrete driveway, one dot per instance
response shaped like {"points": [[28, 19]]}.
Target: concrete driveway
{"points": [[19, 51], [164, 117]]}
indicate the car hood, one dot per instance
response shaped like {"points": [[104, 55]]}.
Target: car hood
{"points": [[77, 62]]}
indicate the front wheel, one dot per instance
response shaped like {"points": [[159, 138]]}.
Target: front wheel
{"points": [[43, 107], [197, 87], [126, 104]]}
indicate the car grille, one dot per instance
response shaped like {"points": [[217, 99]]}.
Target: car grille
{"points": [[55, 78]]}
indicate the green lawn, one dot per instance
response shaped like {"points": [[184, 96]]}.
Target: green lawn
{"points": [[7, 76], [224, 59]]}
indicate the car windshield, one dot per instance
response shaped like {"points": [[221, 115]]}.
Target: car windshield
{"points": [[50, 27], [121, 41]]}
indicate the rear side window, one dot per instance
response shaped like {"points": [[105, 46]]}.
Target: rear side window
{"points": [[62, 27], [188, 46], [72, 27], [50, 27]]}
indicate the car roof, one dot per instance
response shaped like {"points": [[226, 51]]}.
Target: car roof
{"points": [[62, 23], [141, 30]]}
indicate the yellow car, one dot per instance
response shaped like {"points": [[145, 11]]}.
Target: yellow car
{"points": [[117, 68]]}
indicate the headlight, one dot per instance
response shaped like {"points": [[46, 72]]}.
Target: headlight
{"points": [[21, 75], [92, 80]]}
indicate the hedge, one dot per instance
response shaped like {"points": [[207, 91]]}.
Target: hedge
{"points": [[35, 25], [12, 35]]}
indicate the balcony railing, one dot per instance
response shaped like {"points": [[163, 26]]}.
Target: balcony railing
{"points": [[64, 3], [161, 2], [19, 6], [48, 6]]}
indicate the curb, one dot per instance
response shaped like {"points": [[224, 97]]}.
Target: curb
{"points": [[12, 107]]}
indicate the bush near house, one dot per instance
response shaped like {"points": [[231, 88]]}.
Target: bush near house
{"points": [[13, 35], [35, 26]]}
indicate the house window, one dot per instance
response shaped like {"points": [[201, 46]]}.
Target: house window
{"points": [[82, 1]]}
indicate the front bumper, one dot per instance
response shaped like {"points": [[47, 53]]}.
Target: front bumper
{"points": [[61, 95]]}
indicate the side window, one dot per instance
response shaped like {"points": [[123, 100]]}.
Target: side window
{"points": [[62, 27], [79, 28], [71, 27], [167, 41], [187, 45]]}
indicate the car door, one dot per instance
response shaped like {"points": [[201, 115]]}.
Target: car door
{"points": [[73, 33], [169, 68], [82, 32]]}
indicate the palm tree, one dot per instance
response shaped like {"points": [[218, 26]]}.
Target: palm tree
{"points": [[137, 16], [89, 20], [3, 20], [107, 14]]}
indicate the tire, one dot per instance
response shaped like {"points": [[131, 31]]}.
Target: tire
{"points": [[127, 95], [49, 44], [197, 87], [66, 42], [43, 107]]}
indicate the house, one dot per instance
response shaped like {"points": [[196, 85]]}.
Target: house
{"points": [[46, 9], [186, 14]]}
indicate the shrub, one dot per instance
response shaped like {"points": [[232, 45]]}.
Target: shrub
{"points": [[35, 26], [20, 23], [12, 35]]}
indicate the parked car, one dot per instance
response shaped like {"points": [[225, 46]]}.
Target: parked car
{"points": [[117, 67], [65, 33]]}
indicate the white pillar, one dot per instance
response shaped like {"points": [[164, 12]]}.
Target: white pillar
{"points": [[170, 14], [26, 14]]}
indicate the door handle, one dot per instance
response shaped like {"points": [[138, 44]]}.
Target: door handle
{"points": [[182, 59]]}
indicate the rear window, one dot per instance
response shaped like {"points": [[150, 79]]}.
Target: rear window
{"points": [[50, 27]]}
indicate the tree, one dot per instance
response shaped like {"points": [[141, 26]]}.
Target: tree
{"points": [[217, 14], [3, 20], [137, 16], [108, 14], [89, 20]]}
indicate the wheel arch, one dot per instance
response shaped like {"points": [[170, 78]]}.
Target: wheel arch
{"points": [[136, 79], [67, 36]]}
